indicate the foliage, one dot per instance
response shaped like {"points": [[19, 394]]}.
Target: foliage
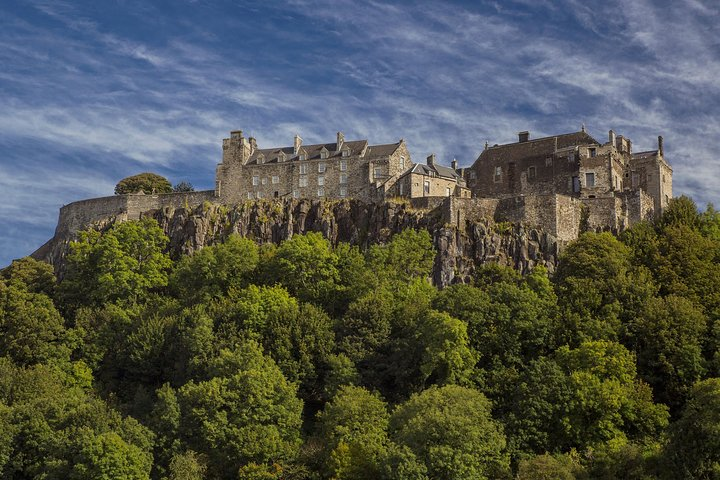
{"points": [[143, 182], [183, 187]]}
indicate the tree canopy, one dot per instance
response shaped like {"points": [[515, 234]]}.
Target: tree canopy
{"points": [[146, 182]]}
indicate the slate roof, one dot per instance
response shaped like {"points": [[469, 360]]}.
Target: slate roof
{"points": [[439, 170], [535, 147], [271, 155]]}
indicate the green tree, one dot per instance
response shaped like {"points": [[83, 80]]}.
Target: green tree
{"points": [[353, 429], [215, 270], [143, 182], [409, 255], [106, 456], [547, 467], [31, 275], [122, 264], [187, 466], [183, 187], [246, 412], [668, 338], [307, 267], [451, 431], [693, 449]]}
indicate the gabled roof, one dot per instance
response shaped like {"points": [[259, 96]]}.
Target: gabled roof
{"points": [[535, 147], [438, 170], [356, 147]]}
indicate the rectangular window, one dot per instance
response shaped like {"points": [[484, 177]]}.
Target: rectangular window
{"points": [[321, 191], [378, 172], [532, 172], [346, 153], [343, 165], [402, 163], [426, 187], [296, 194], [400, 187], [473, 175], [323, 154], [589, 179], [593, 152], [249, 195], [321, 168], [321, 180], [548, 161], [447, 191], [303, 168], [575, 184], [303, 181], [498, 174], [302, 157], [264, 180], [256, 180], [275, 179], [343, 178], [258, 195], [343, 191]]}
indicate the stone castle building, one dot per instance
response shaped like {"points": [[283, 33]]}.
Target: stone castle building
{"points": [[343, 169]]}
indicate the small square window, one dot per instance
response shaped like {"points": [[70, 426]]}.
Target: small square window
{"points": [[593, 152], [378, 172], [256, 180], [303, 168], [275, 179], [264, 181], [343, 178], [296, 194], [321, 168], [343, 165], [321, 180]]}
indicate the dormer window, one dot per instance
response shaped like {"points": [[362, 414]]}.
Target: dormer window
{"points": [[346, 153], [260, 159], [281, 157], [323, 153], [302, 157]]}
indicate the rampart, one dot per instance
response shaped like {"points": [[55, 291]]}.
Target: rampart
{"points": [[79, 215]]}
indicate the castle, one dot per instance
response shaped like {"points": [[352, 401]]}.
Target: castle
{"points": [[560, 184]]}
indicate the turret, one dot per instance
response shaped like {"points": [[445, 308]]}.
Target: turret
{"points": [[236, 149]]}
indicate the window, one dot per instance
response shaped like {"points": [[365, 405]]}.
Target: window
{"points": [[532, 172], [321, 180], [264, 181], [426, 187], [593, 152], [473, 175], [447, 191], [249, 195], [275, 179], [343, 191], [575, 184], [303, 181], [378, 172], [343, 178], [343, 165], [281, 157], [402, 163], [260, 159], [321, 191], [256, 180], [571, 157], [498, 174], [323, 154], [296, 194], [302, 157], [303, 168], [321, 168], [400, 188], [548, 161], [258, 195], [346, 153], [590, 179]]}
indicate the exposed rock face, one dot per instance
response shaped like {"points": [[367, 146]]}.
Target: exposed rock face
{"points": [[460, 248]]}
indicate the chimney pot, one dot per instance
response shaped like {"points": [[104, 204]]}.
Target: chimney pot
{"points": [[454, 164], [660, 145], [523, 136]]}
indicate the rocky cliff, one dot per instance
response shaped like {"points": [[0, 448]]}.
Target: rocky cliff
{"points": [[461, 246]]}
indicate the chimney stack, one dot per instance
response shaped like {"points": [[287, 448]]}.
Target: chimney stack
{"points": [[236, 134], [431, 160], [297, 142], [611, 138], [340, 140], [453, 164], [523, 136], [660, 145], [253, 145], [486, 144]]}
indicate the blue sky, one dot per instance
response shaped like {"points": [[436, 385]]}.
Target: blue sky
{"points": [[91, 92]]}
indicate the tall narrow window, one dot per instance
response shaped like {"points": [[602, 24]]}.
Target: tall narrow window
{"points": [[343, 191], [426, 187], [256, 180], [303, 168], [321, 180], [447, 191], [498, 174], [321, 191], [589, 179], [402, 164], [532, 172], [343, 165], [593, 152], [378, 172], [400, 188]]}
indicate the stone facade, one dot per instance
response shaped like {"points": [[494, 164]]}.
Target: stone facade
{"points": [[343, 169]]}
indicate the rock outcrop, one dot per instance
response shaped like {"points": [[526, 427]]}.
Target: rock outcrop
{"points": [[460, 247]]}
